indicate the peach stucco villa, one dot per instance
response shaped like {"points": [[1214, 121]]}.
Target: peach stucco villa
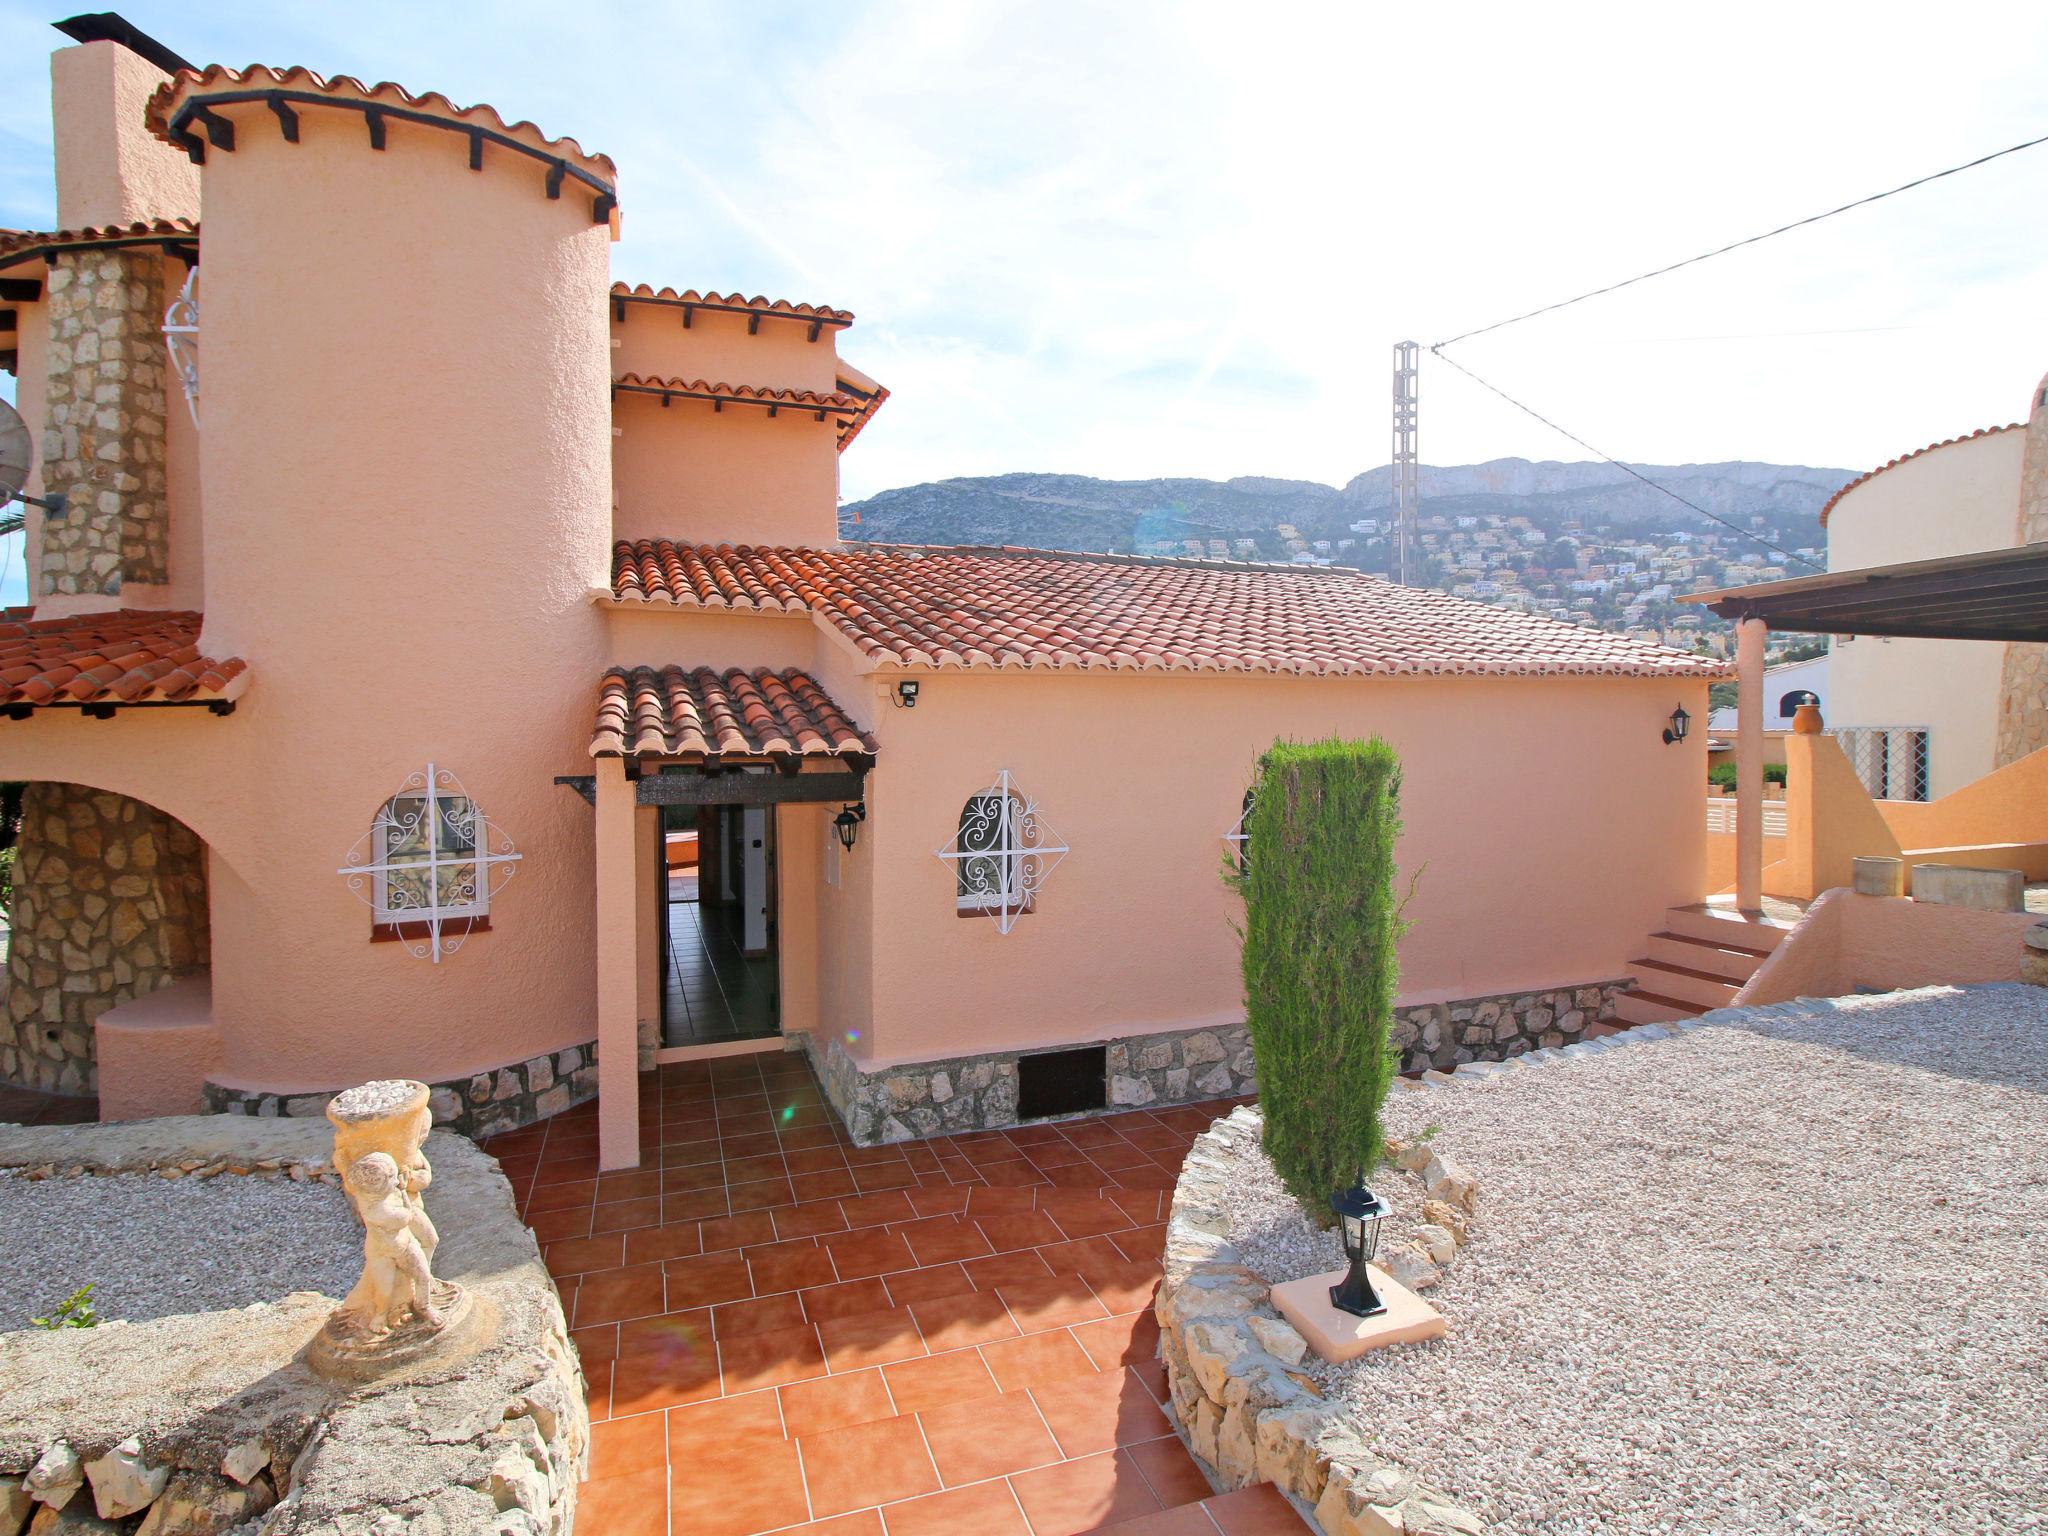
{"points": [[446, 665]]}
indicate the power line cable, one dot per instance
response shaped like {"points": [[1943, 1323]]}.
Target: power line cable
{"points": [[1437, 352], [1643, 277]]}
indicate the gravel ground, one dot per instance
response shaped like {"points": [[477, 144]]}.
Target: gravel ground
{"points": [[1785, 1277], [157, 1246]]}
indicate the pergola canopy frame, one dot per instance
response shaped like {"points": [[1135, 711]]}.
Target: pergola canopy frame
{"points": [[1999, 595]]}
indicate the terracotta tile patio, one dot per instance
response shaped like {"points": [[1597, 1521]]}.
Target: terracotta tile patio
{"points": [[785, 1332]]}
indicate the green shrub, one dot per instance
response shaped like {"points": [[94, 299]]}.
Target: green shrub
{"points": [[74, 1311], [1723, 774], [1319, 931]]}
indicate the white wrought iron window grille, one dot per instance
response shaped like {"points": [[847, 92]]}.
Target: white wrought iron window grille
{"points": [[429, 865], [1239, 838], [1002, 854], [181, 340]]}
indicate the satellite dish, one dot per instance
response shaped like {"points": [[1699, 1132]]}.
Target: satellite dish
{"points": [[17, 453], [17, 458]]}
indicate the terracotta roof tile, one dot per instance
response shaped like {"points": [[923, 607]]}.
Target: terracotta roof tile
{"points": [[848, 412], [126, 657], [951, 607], [17, 243], [681, 712], [257, 77], [2011, 426], [755, 305]]}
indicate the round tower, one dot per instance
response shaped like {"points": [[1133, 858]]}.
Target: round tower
{"points": [[405, 468]]}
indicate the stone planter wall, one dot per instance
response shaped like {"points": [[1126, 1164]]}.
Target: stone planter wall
{"points": [[1233, 1368], [204, 1420], [109, 905], [483, 1104], [1232, 1363]]}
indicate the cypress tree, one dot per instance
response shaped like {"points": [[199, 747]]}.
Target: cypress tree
{"points": [[1320, 926]]}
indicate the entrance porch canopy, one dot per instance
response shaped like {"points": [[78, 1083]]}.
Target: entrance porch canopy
{"points": [[688, 736], [1998, 594]]}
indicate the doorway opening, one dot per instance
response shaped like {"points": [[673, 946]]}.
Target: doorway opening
{"points": [[720, 979]]}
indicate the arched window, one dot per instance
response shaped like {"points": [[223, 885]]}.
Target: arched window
{"points": [[429, 865], [1001, 854]]}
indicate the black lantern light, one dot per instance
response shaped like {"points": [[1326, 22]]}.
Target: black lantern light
{"points": [[1359, 1214], [1681, 722], [847, 824]]}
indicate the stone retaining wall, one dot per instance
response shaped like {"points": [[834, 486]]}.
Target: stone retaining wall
{"points": [[109, 905], [203, 1420], [481, 1105]]}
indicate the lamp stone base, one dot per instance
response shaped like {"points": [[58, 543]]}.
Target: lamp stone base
{"points": [[1338, 1335]]}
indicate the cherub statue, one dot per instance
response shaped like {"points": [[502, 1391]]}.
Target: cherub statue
{"points": [[398, 1241]]}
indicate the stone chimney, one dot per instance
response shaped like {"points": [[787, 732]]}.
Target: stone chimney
{"points": [[103, 437], [2023, 690]]}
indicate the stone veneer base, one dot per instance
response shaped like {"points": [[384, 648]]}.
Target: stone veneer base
{"points": [[979, 1093], [479, 1105]]}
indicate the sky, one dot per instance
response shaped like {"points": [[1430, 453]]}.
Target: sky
{"points": [[1133, 239]]}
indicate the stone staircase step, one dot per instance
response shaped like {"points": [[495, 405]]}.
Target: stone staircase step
{"points": [[1737, 962], [1640, 1007], [1685, 983]]}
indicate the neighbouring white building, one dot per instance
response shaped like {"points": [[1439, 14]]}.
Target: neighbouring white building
{"points": [[1951, 498]]}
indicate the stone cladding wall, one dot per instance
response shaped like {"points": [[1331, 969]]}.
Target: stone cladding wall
{"points": [[103, 438], [480, 1105], [1446, 1035], [2023, 684], [109, 905], [978, 1093]]}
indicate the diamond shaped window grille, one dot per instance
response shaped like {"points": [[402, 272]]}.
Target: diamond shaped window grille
{"points": [[181, 340], [1002, 854], [1237, 839], [430, 864]]}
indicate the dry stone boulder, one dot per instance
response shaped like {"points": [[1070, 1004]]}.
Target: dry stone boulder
{"points": [[123, 1481], [200, 1504], [56, 1476]]}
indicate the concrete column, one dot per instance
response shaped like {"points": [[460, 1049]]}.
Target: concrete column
{"points": [[650, 879], [618, 969], [1749, 763]]}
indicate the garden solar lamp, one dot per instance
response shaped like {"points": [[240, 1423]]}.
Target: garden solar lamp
{"points": [[1359, 1214]]}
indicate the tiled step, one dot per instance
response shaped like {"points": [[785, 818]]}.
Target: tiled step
{"points": [[1719, 923], [1260, 1510], [1736, 962], [1641, 1007], [1686, 984]]}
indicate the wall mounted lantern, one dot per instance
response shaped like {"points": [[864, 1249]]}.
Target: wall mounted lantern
{"points": [[1681, 722], [847, 824], [1359, 1214]]}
